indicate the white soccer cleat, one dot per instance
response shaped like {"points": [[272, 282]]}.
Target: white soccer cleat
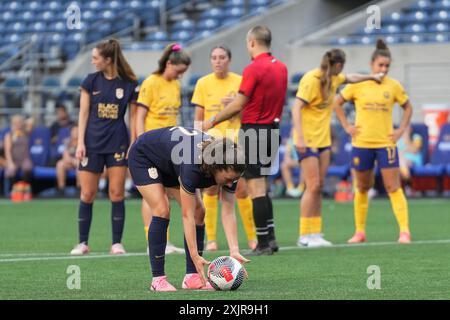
{"points": [[317, 240], [80, 249], [170, 248], [117, 248], [303, 241]]}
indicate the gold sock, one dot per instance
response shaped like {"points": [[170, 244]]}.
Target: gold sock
{"points": [[290, 186], [316, 224], [245, 206], [211, 213], [400, 208], [146, 233], [305, 226], [361, 204]]}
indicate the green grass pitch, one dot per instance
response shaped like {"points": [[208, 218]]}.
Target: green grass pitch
{"points": [[36, 237]]}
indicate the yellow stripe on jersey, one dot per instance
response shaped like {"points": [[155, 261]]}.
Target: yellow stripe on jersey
{"points": [[374, 104], [163, 100], [316, 115], [208, 93]]}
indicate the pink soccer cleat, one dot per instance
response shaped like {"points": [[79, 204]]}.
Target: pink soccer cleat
{"points": [[359, 237], [117, 248], [405, 237], [162, 285], [80, 249], [192, 281]]}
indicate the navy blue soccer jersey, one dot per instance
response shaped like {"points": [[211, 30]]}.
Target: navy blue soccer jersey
{"points": [[170, 156], [106, 131]]}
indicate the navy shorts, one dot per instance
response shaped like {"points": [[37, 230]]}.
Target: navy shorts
{"points": [[95, 162], [364, 158], [311, 152], [144, 172]]}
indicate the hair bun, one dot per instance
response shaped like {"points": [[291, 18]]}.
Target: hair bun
{"points": [[381, 45], [176, 47]]}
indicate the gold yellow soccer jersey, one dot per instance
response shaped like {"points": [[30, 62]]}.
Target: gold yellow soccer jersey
{"points": [[374, 105], [162, 98], [208, 93], [316, 115]]}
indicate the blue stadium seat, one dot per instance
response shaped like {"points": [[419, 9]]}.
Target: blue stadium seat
{"points": [[393, 39], [181, 36], [415, 38], [367, 40], [51, 82], [234, 3], [440, 159], [439, 37], [54, 5], [442, 5], [186, 25], [74, 82], [208, 24], [440, 16], [390, 29], [255, 10], [395, 17], [14, 5], [414, 28], [25, 16], [417, 17], [234, 12], [422, 5], [40, 146], [211, 13], [8, 16], [204, 33], [157, 36], [32, 5], [439, 27], [343, 41], [254, 3]]}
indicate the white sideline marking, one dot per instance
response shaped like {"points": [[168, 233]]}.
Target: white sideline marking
{"points": [[24, 257]]}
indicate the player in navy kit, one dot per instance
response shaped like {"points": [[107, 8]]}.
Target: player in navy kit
{"points": [[179, 161], [103, 137]]}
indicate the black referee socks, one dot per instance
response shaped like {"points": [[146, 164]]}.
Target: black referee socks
{"points": [[261, 213]]}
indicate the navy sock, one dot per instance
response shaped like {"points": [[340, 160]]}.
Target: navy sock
{"points": [[200, 235], [84, 221], [270, 222], [157, 240], [260, 215], [117, 220]]}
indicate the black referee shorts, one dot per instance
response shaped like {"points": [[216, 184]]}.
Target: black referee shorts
{"points": [[261, 143]]}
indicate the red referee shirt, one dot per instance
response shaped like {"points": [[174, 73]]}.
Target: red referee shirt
{"points": [[264, 82]]}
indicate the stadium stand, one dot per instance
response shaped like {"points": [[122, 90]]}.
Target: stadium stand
{"points": [[420, 22], [37, 52]]}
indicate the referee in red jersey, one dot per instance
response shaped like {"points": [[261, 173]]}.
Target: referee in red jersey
{"points": [[261, 99]]}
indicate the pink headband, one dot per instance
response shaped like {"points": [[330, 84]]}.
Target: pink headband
{"points": [[176, 47]]}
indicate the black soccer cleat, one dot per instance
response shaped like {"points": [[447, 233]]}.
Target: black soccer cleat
{"points": [[266, 251], [274, 245]]}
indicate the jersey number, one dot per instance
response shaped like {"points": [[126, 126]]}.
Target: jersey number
{"points": [[186, 131], [391, 151]]}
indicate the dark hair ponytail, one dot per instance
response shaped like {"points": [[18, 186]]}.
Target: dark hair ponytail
{"points": [[329, 59], [175, 54], [111, 49], [381, 50]]}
